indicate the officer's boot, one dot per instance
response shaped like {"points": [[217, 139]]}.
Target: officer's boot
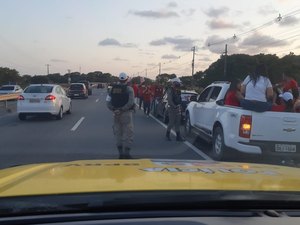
{"points": [[179, 137], [127, 153], [121, 154], [168, 136]]}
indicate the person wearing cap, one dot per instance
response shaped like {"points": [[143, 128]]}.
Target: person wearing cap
{"points": [[174, 109], [120, 101], [286, 100]]}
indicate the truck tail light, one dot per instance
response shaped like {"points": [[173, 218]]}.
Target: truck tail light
{"points": [[245, 126]]}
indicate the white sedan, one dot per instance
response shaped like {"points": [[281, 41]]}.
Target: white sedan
{"points": [[43, 99], [10, 89]]}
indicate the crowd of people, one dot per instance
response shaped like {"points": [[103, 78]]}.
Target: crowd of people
{"points": [[145, 95], [257, 93]]}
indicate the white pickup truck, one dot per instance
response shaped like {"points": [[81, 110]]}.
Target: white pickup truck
{"points": [[229, 127]]}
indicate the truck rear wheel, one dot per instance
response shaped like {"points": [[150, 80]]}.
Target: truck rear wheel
{"points": [[218, 146]]}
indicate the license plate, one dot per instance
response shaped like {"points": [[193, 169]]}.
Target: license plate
{"points": [[285, 148], [76, 94], [34, 100]]}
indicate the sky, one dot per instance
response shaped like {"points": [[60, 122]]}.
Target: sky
{"points": [[135, 36]]}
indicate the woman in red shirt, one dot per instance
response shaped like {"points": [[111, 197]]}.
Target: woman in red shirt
{"points": [[234, 94]]}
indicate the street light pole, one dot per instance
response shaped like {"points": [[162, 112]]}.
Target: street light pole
{"points": [[193, 61]]}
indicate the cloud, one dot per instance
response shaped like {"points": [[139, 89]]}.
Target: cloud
{"points": [[216, 12], [59, 60], [220, 24], [162, 14], [289, 21], [109, 42], [114, 42], [146, 53], [188, 12], [179, 43], [169, 57], [129, 45], [263, 41], [172, 5], [218, 48], [205, 59], [267, 10], [120, 59]]}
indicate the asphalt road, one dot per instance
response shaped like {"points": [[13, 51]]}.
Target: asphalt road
{"points": [[85, 134]]}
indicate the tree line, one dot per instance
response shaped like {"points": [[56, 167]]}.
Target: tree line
{"points": [[238, 66]]}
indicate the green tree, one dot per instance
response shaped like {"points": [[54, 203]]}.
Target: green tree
{"points": [[9, 76]]}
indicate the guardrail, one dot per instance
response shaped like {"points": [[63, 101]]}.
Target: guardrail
{"points": [[6, 97]]}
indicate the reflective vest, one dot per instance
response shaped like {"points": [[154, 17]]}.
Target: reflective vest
{"points": [[176, 96], [119, 95]]}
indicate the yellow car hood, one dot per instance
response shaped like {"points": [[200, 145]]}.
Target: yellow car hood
{"points": [[144, 175]]}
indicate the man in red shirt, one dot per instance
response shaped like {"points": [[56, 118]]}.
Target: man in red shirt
{"points": [[290, 84], [147, 100]]}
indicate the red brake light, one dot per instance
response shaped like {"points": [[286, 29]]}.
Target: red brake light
{"points": [[50, 97], [21, 97], [245, 126]]}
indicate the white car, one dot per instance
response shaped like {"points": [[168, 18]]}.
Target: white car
{"points": [[10, 89], [43, 99]]}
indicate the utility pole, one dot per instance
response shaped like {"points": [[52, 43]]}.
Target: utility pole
{"points": [[193, 62], [159, 70], [146, 72], [225, 62], [47, 68], [69, 78]]}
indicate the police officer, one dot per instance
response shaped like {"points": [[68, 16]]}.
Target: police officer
{"points": [[120, 101], [174, 108]]}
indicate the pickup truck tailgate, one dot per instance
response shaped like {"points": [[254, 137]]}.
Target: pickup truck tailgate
{"points": [[280, 130], [276, 126]]}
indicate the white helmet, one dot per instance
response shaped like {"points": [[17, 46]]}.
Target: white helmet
{"points": [[123, 76], [176, 80]]}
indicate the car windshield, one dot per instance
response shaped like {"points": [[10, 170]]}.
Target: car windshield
{"points": [[76, 87], [136, 96], [7, 88], [39, 89]]}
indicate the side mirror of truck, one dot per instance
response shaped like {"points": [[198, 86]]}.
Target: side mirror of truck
{"points": [[220, 102], [193, 98]]}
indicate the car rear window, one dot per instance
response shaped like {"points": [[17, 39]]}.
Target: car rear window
{"points": [[39, 89], [7, 88], [76, 87], [186, 96]]}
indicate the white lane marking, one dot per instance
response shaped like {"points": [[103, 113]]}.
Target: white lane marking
{"points": [[77, 124], [97, 100], [195, 149]]}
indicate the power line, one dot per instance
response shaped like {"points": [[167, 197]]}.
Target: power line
{"points": [[269, 23]]}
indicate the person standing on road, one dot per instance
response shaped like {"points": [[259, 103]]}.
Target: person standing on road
{"points": [[135, 90], [141, 92], [120, 101], [147, 100], [174, 109]]}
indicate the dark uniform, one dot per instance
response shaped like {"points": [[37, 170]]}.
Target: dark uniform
{"points": [[174, 110], [121, 101]]}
